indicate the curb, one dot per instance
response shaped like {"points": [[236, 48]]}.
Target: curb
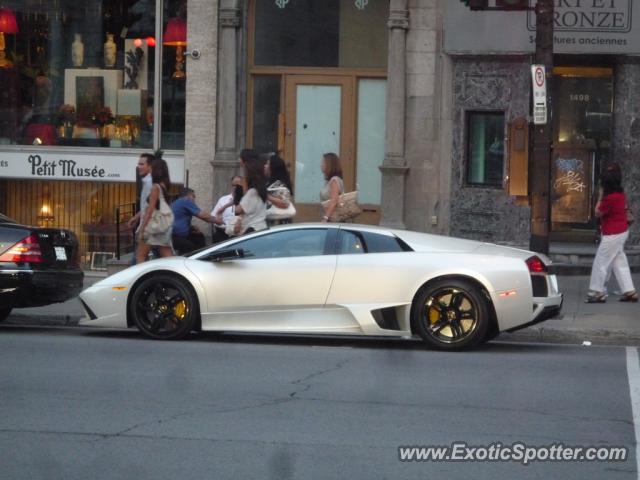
{"points": [[572, 336], [526, 335], [42, 320]]}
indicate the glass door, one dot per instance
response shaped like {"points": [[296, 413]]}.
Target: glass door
{"points": [[582, 137], [319, 118]]}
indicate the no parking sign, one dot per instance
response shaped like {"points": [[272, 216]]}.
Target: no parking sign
{"points": [[539, 78]]}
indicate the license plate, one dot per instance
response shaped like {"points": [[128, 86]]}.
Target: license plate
{"points": [[61, 253]]}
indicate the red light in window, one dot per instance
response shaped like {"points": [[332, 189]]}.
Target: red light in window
{"points": [[137, 42], [151, 41]]}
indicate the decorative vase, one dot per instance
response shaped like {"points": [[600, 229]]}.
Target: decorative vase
{"points": [[77, 51], [67, 130], [109, 52]]}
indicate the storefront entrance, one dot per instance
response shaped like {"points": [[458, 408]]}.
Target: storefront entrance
{"points": [[583, 104], [317, 84], [341, 114]]}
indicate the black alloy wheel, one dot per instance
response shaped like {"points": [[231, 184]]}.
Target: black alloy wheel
{"points": [[451, 315], [164, 307]]}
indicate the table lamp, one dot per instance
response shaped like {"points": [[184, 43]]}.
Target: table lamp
{"points": [[8, 24], [175, 35]]}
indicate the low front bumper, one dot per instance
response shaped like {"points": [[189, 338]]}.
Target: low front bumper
{"points": [[105, 306]]}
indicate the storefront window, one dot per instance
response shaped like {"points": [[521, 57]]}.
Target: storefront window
{"points": [[584, 109], [485, 148], [371, 137], [97, 212], [81, 74], [266, 104], [321, 33], [174, 74]]}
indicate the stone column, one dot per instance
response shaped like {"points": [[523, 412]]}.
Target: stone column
{"points": [[394, 167], [225, 162], [201, 101]]}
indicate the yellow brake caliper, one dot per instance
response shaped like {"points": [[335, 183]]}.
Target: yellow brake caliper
{"points": [[180, 309]]}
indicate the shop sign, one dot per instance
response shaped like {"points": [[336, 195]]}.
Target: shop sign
{"points": [[580, 26], [78, 166]]}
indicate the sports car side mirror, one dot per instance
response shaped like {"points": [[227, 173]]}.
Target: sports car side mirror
{"points": [[221, 255]]}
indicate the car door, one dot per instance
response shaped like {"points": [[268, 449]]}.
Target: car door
{"points": [[372, 273], [281, 284]]}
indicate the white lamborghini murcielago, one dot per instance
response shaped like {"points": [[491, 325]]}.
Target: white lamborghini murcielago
{"points": [[333, 279]]}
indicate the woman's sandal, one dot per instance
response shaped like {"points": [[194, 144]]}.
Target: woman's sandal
{"points": [[630, 297], [597, 298]]}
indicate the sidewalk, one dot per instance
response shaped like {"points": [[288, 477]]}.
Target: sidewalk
{"points": [[614, 322]]}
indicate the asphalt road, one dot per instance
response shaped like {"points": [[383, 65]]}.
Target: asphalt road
{"points": [[80, 403]]}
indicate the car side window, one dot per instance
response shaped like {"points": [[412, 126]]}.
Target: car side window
{"points": [[367, 242], [350, 243], [288, 243]]}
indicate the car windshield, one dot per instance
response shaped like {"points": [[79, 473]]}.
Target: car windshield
{"points": [[5, 219]]}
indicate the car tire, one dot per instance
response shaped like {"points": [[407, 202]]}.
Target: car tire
{"points": [[164, 307], [451, 314], [4, 313]]}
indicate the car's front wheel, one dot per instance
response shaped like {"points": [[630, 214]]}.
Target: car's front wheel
{"points": [[451, 315], [164, 306], [4, 313]]}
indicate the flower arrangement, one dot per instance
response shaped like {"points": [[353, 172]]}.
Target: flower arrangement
{"points": [[104, 116], [66, 114]]}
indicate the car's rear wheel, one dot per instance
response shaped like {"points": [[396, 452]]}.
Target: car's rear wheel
{"points": [[451, 315], [4, 313], [164, 306]]}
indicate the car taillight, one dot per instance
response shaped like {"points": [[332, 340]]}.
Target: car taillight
{"points": [[536, 265], [26, 250]]}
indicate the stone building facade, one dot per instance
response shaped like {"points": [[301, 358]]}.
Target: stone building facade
{"points": [[414, 182], [444, 64], [593, 116]]}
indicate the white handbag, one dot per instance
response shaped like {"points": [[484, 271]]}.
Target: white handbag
{"points": [[161, 219], [275, 213], [280, 191], [230, 227]]}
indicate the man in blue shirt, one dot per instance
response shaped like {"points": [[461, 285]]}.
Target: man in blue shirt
{"points": [[185, 237]]}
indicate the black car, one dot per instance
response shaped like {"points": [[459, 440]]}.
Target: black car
{"points": [[38, 266]]}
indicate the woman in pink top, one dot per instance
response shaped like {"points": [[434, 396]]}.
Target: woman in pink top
{"points": [[611, 209]]}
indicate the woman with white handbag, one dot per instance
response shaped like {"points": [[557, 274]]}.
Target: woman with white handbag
{"points": [[157, 221], [251, 212], [280, 208]]}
